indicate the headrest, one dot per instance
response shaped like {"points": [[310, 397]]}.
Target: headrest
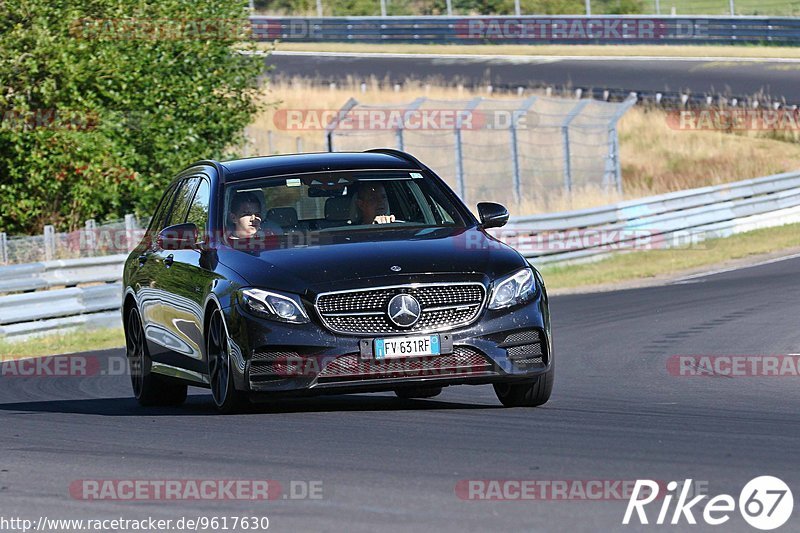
{"points": [[283, 216], [337, 208]]}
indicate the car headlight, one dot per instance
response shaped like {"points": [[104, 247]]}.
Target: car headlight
{"points": [[515, 289], [274, 306]]}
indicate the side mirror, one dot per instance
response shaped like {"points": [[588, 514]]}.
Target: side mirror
{"points": [[178, 237], [492, 215]]}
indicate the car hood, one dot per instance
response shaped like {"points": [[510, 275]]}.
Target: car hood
{"points": [[335, 261]]}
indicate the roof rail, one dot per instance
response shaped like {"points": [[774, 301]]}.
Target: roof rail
{"points": [[397, 153]]}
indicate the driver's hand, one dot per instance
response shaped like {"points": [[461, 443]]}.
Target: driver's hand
{"points": [[383, 219]]}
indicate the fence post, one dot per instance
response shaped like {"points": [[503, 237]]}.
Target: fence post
{"points": [[517, 177], [413, 106], [331, 128], [91, 240], [460, 185], [49, 242], [517, 10], [449, 8], [733, 8], [319, 8], [658, 7], [565, 137], [613, 165], [130, 227], [3, 248], [383, 8], [588, 8]]}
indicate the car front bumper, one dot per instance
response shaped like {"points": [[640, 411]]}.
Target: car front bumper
{"points": [[274, 357]]}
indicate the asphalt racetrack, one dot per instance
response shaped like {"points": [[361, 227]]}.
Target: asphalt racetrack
{"points": [[774, 79], [394, 465]]}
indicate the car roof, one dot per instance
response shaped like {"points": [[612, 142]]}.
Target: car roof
{"points": [[277, 165]]}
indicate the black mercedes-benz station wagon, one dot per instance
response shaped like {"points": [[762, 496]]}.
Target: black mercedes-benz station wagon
{"points": [[329, 273]]}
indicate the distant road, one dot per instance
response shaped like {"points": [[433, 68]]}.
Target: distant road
{"points": [[779, 79]]}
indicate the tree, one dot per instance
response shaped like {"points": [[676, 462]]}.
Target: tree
{"points": [[102, 101]]}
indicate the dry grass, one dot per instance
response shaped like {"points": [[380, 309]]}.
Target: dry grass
{"points": [[700, 51], [655, 157]]}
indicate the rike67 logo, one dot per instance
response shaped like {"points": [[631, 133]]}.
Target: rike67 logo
{"points": [[765, 503]]}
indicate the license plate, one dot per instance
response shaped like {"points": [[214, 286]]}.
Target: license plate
{"points": [[394, 347]]}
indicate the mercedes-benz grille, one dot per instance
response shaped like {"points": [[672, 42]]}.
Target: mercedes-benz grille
{"points": [[442, 306]]}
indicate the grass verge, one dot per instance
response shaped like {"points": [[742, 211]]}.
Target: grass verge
{"points": [[62, 343], [699, 51], [652, 264]]}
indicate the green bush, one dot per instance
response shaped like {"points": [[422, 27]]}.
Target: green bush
{"points": [[102, 101]]}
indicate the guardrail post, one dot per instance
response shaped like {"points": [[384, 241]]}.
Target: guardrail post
{"points": [[331, 128], [49, 242], [565, 137], [3, 248], [515, 117], [91, 236]]}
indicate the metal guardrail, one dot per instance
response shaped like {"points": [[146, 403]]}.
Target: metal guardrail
{"points": [[544, 29], [679, 219], [684, 218]]}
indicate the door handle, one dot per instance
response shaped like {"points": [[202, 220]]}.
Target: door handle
{"points": [[169, 260]]}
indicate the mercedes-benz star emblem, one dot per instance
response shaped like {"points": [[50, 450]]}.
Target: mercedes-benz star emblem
{"points": [[404, 310], [395, 268]]}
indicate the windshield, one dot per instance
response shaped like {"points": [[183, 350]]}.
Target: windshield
{"points": [[337, 202]]}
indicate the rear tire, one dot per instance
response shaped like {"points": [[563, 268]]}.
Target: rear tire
{"points": [[418, 392], [148, 388], [528, 393], [220, 375]]}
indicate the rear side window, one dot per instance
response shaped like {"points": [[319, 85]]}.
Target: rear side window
{"points": [[157, 222]]}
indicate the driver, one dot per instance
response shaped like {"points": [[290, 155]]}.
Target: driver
{"points": [[244, 216], [373, 205]]}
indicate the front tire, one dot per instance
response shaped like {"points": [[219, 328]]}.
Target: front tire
{"points": [[226, 397], [148, 389], [528, 393]]}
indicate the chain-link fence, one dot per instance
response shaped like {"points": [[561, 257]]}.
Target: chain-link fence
{"points": [[113, 237], [511, 151]]}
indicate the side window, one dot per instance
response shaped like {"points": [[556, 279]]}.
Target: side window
{"points": [[183, 198], [157, 222], [198, 211]]}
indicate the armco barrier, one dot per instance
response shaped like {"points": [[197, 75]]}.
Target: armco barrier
{"points": [[701, 213], [613, 29]]}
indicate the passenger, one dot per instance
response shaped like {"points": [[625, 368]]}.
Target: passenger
{"points": [[373, 204]]}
